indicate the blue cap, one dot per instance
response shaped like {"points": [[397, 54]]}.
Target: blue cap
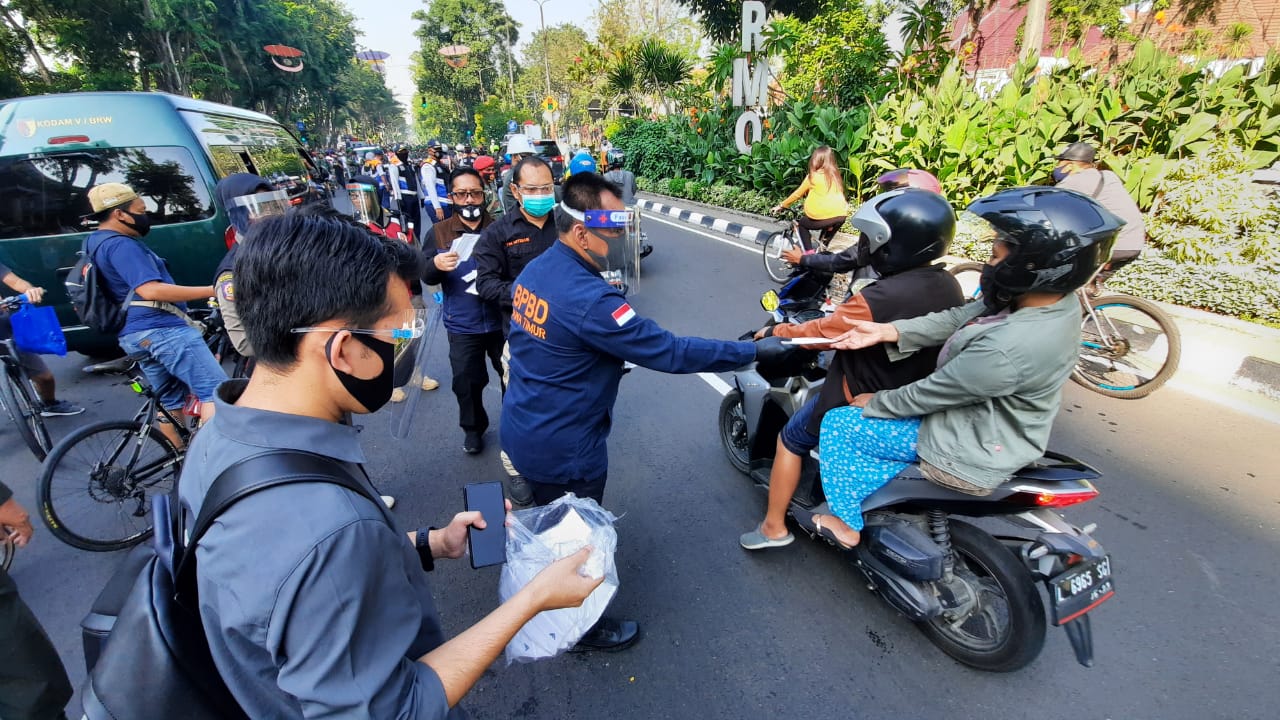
{"points": [[582, 163]]}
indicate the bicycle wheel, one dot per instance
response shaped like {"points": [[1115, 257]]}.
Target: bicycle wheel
{"points": [[96, 486], [19, 401], [969, 275], [1129, 347], [779, 270]]}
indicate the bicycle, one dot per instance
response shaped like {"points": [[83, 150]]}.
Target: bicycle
{"points": [[1129, 347], [793, 236], [114, 464], [18, 395]]}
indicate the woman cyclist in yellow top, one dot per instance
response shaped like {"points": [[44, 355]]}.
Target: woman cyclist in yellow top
{"points": [[825, 207]]}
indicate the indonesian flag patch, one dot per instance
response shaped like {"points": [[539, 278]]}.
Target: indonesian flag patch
{"points": [[623, 314]]}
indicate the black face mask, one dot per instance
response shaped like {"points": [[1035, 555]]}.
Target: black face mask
{"points": [[375, 392], [470, 212], [141, 222], [993, 297]]}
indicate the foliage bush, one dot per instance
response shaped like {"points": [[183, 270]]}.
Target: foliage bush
{"points": [[1227, 289], [1211, 213]]}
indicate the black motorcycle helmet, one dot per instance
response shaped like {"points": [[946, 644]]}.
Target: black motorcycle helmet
{"points": [[904, 229], [1057, 238]]}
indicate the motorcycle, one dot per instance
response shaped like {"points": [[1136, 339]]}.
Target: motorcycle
{"points": [[971, 590]]}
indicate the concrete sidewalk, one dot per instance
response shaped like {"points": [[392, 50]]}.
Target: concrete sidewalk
{"points": [[1225, 359]]}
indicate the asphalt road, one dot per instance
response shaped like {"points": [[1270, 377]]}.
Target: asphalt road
{"points": [[1189, 509]]}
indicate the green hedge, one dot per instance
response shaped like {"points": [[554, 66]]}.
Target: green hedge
{"points": [[726, 196], [1239, 291]]}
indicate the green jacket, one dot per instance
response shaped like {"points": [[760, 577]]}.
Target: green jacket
{"points": [[989, 407]]}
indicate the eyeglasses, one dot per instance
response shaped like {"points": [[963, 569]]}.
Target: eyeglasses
{"points": [[415, 324], [468, 194], [536, 189]]}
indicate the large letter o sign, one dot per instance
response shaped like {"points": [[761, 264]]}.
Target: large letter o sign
{"points": [[747, 118]]}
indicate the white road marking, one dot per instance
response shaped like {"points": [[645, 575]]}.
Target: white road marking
{"points": [[718, 238], [720, 386]]}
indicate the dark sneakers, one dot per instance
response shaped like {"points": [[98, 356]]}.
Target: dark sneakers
{"points": [[62, 408], [472, 442], [609, 634], [521, 492]]}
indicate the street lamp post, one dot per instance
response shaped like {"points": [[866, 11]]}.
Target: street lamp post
{"points": [[546, 57]]}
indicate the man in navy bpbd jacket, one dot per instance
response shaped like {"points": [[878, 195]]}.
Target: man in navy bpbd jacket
{"points": [[570, 333]]}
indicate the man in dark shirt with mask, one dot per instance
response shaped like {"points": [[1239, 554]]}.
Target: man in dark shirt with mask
{"points": [[474, 325]]}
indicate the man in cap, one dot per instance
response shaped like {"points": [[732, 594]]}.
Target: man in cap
{"points": [[488, 174], [434, 191], [157, 332], [1078, 170], [519, 148]]}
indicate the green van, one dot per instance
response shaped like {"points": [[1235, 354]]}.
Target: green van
{"points": [[172, 150]]}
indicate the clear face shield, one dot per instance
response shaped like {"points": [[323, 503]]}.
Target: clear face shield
{"points": [[263, 204], [365, 205], [620, 229], [410, 370]]}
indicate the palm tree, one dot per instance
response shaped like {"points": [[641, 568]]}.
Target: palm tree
{"points": [[660, 68], [624, 79]]}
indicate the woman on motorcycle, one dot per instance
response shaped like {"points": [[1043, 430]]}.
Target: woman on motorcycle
{"points": [[988, 408], [903, 235], [847, 260], [825, 208]]}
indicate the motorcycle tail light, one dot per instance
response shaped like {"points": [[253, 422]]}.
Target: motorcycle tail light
{"points": [[1064, 499]]}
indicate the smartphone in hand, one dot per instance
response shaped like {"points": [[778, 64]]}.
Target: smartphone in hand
{"points": [[488, 546]]}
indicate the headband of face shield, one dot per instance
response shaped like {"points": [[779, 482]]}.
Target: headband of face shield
{"points": [[594, 220]]}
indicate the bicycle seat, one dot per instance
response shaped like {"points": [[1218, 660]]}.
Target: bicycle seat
{"points": [[119, 366]]}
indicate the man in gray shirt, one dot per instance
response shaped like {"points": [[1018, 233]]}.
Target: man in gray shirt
{"points": [[1078, 170], [314, 603]]}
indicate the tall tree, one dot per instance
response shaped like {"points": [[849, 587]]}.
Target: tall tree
{"points": [[722, 18], [488, 32]]}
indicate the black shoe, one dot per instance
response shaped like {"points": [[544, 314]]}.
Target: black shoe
{"points": [[645, 251], [473, 442], [609, 635], [521, 491]]}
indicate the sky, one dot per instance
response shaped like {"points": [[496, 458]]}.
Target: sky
{"points": [[388, 25]]}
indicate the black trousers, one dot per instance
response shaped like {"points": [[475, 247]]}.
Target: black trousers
{"points": [[547, 493], [826, 227], [33, 682], [467, 354]]}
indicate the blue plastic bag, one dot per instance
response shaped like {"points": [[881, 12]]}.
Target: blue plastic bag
{"points": [[37, 330]]}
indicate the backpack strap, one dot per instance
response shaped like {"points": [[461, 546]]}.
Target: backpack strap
{"points": [[1098, 190], [84, 248], [257, 473]]}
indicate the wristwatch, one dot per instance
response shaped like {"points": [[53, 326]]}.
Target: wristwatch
{"points": [[423, 546]]}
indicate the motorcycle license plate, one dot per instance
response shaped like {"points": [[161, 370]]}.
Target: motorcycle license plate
{"points": [[1080, 589]]}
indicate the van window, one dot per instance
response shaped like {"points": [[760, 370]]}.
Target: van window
{"points": [[242, 145], [44, 195]]}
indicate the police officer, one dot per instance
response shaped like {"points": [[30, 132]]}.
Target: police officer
{"points": [[570, 334]]}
